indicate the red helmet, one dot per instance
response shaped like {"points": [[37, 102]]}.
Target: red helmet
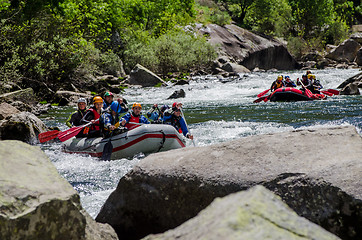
{"points": [[174, 104]]}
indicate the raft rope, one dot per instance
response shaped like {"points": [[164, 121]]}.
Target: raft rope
{"points": [[126, 137]]}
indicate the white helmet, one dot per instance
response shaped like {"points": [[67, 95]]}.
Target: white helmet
{"points": [[80, 100]]}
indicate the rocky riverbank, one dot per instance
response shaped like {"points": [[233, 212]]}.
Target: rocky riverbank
{"points": [[37, 203], [315, 172]]}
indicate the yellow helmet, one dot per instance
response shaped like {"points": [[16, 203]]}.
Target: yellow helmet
{"points": [[280, 77], [97, 99], [136, 105], [310, 76], [313, 76]]}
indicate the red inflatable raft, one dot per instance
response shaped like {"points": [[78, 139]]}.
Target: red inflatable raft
{"points": [[289, 94]]}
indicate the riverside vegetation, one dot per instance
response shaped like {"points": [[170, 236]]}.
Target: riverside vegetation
{"points": [[52, 45]]}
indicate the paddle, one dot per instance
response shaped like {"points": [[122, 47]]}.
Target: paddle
{"points": [[327, 93], [108, 147], [47, 136], [261, 99], [71, 132], [307, 91], [335, 92], [187, 126], [262, 93]]}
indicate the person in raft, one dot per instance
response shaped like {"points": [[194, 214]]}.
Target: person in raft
{"points": [[108, 99], [156, 116], [288, 82], [177, 121], [306, 82], [92, 115], [110, 119], [277, 83], [134, 116], [75, 118]]}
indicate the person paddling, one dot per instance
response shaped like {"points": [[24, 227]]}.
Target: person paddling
{"points": [[75, 118], [288, 82], [110, 119], [92, 115], [177, 121], [134, 116], [277, 83]]}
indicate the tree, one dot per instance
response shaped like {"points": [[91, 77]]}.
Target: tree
{"points": [[272, 17], [237, 9]]}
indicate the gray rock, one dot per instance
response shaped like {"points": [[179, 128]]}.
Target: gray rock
{"points": [[177, 94], [7, 110], [24, 95], [357, 79], [144, 77], [232, 67], [350, 89], [357, 36], [23, 126], [345, 52], [70, 98], [248, 49], [316, 172], [359, 57], [253, 214], [37, 203]]}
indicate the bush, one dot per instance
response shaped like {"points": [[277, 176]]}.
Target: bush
{"points": [[172, 52]]}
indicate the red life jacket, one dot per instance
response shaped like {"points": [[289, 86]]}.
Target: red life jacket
{"points": [[96, 125], [134, 119]]}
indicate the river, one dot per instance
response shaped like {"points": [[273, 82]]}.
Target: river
{"points": [[217, 110]]}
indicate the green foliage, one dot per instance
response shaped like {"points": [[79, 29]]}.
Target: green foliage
{"points": [[271, 17], [172, 52], [209, 12]]}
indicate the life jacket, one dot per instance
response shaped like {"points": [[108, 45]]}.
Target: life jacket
{"points": [[134, 119], [175, 122], [278, 84], [96, 126]]}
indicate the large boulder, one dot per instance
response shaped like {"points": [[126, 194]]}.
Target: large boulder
{"points": [[177, 94], [144, 77], [6, 110], [316, 172], [253, 214], [70, 98], [356, 79], [37, 203], [248, 49], [345, 52], [350, 89], [359, 57], [23, 126], [25, 95]]}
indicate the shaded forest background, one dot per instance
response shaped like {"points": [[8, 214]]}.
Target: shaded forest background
{"points": [[57, 42]]}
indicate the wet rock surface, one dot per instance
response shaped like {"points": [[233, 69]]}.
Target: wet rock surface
{"points": [[317, 175], [253, 214], [36, 203]]}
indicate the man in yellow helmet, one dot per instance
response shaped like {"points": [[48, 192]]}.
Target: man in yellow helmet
{"points": [[277, 83], [134, 116]]}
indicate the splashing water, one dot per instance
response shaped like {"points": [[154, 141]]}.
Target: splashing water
{"points": [[217, 110]]}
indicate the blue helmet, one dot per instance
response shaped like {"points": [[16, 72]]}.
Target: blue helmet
{"points": [[116, 107]]}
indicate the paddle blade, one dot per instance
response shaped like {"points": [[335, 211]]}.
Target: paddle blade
{"points": [[327, 93], [335, 92], [262, 93], [67, 134], [107, 151], [260, 99], [47, 136]]}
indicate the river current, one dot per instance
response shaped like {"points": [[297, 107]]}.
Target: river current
{"points": [[217, 110]]}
